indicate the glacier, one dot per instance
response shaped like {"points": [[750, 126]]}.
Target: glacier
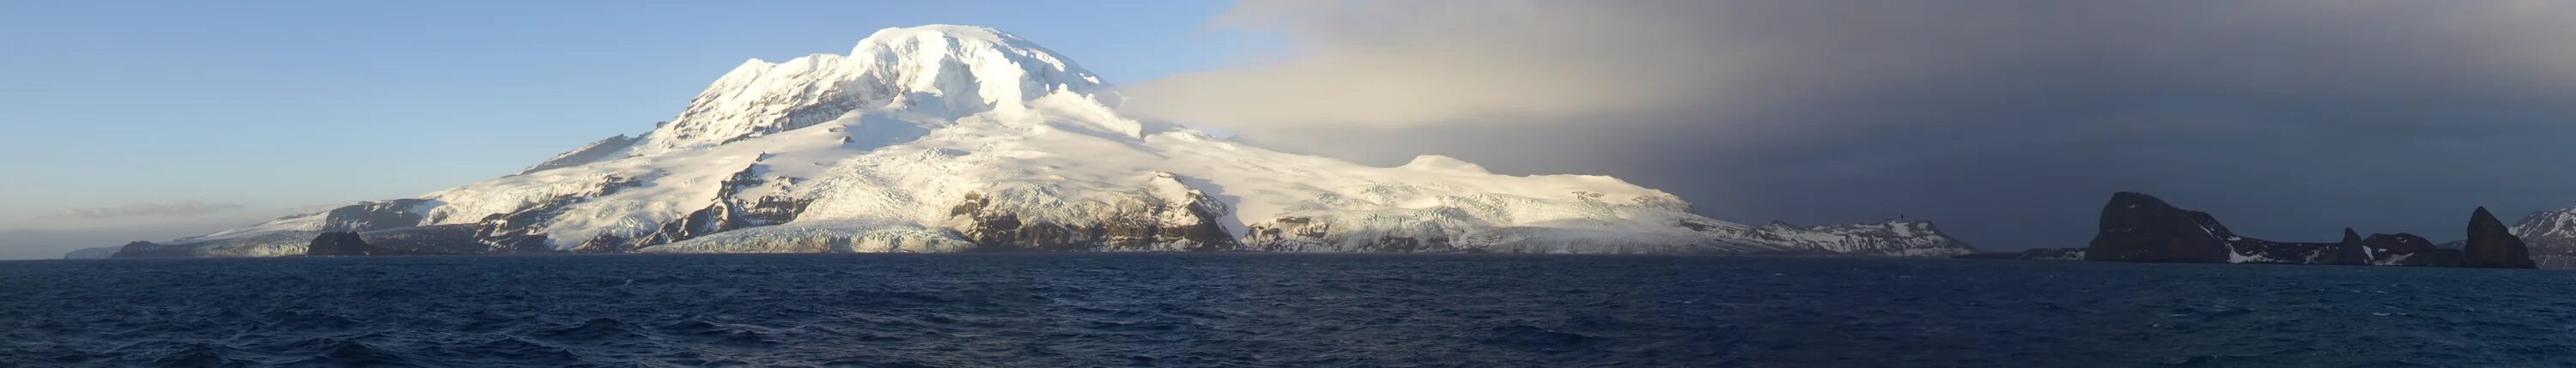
{"points": [[947, 138]]}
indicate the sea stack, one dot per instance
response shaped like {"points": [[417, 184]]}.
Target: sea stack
{"points": [[2491, 245], [2349, 252]]}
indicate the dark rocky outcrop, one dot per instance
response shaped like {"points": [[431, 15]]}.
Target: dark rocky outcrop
{"points": [[2137, 227], [2491, 245], [522, 231], [2550, 237], [2349, 252], [456, 239], [2381, 245], [1301, 233], [1140, 230], [2403, 249], [727, 213], [2140, 228], [434, 239], [1191, 222], [341, 244]]}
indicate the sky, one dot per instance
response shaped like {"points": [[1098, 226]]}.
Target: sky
{"points": [[2007, 123]]}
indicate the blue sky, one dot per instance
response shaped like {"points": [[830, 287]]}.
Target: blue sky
{"points": [[118, 103]]}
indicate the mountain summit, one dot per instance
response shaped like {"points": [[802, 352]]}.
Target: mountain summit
{"points": [[955, 138], [945, 71]]}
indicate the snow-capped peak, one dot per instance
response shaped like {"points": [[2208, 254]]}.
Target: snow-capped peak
{"points": [[945, 71], [952, 138], [2551, 235], [2558, 223]]}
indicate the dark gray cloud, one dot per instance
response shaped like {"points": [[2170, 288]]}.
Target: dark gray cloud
{"points": [[2006, 121], [184, 208]]}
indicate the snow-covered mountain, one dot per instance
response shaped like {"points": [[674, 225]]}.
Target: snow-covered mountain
{"points": [[2551, 235], [954, 138]]}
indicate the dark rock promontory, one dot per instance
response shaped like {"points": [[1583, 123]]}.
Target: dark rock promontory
{"points": [[339, 244], [2137, 227], [2491, 245], [2349, 252]]}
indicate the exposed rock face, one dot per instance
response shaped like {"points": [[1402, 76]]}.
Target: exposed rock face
{"points": [[2400, 243], [2491, 245], [2140, 228], [726, 214], [1164, 215], [436, 239], [2251, 250], [371, 216], [2403, 249], [2349, 252], [1905, 238], [2137, 227], [1309, 234], [522, 231], [2550, 236], [341, 244]]}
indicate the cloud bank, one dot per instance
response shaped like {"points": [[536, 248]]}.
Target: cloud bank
{"points": [[184, 208], [2006, 121], [47, 237]]}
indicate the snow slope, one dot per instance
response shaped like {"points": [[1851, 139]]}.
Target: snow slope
{"points": [[2551, 235], [950, 138]]}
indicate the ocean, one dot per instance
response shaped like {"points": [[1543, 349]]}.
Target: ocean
{"points": [[1269, 310]]}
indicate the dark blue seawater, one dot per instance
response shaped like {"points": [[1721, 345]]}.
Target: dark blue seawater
{"points": [[1269, 310]]}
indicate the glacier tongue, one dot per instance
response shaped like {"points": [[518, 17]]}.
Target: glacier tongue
{"points": [[954, 138]]}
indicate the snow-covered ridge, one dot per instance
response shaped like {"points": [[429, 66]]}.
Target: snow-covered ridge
{"points": [[2551, 236], [941, 70], [953, 138]]}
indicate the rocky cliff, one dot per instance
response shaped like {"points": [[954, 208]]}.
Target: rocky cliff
{"points": [[2137, 227], [2491, 245]]}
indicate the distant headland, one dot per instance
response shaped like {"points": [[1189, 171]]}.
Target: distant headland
{"points": [[2137, 227]]}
